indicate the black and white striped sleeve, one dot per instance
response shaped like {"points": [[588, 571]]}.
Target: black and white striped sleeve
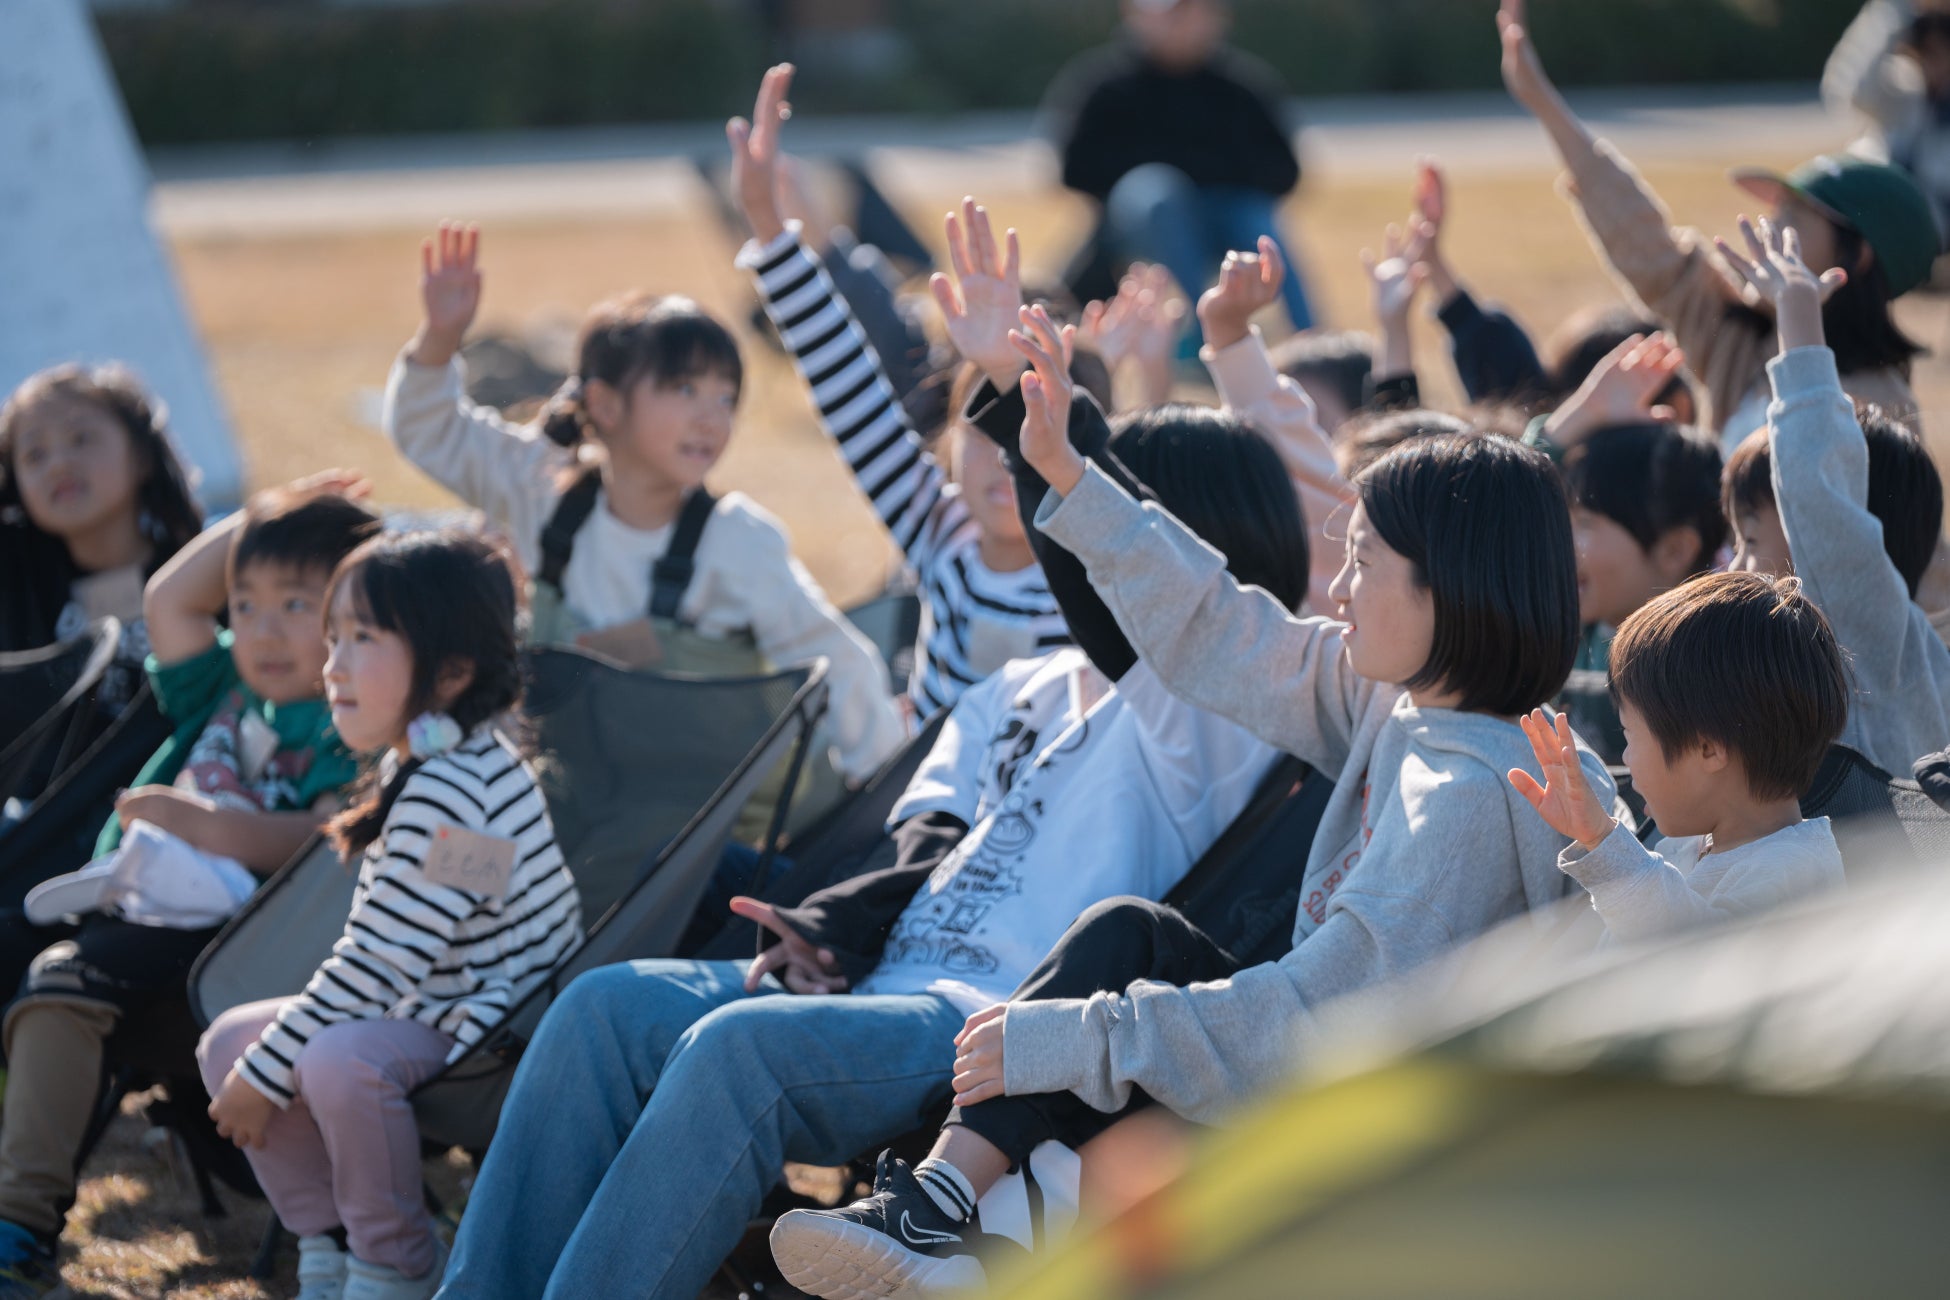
{"points": [[857, 404]]}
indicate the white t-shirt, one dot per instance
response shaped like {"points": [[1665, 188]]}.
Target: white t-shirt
{"points": [[1079, 792]]}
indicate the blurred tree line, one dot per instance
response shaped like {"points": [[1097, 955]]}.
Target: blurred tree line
{"points": [[206, 70]]}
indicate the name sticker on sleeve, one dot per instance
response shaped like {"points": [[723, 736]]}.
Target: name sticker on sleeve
{"points": [[462, 859]]}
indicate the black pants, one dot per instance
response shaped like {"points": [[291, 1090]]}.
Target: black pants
{"points": [[1117, 941]]}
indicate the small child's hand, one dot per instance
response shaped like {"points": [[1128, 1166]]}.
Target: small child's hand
{"points": [[1523, 72], [979, 305], [1398, 274], [450, 291], [351, 484], [1160, 315], [1565, 800], [1778, 274], [978, 1057], [166, 808], [242, 1112], [1047, 392], [755, 154], [1248, 283], [1620, 389]]}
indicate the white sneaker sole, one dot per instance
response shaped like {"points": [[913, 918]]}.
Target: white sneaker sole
{"points": [[836, 1260]]}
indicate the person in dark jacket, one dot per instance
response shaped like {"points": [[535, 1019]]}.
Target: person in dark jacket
{"points": [[1182, 140]]}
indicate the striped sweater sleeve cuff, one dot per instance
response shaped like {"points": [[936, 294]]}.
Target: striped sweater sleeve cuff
{"points": [[270, 1071]]}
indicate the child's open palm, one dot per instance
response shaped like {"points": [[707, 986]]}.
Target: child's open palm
{"points": [[1565, 800], [1047, 392], [1776, 270], [1398, 274], [1248, 284], [450, 287], [980, 304], [755, 154], [1621, 389]]}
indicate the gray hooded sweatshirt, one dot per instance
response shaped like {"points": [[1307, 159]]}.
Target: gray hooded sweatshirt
{"points": [[1900, 666], [1423, 844]]}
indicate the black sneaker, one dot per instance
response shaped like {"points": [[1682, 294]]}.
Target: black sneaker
{"points": [[896, 1242]]}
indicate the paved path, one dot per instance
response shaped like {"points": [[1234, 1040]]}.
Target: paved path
{"points": [[387, 183]]}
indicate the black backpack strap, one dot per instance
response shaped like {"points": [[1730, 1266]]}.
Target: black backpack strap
{"points": [[671, 576], [572, 511]]}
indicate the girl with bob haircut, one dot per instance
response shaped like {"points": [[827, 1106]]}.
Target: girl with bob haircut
{"points": [[463, 903], [604, 498]]}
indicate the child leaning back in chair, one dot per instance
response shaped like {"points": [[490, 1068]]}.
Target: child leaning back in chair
{"points": [[463, 903], [252, 770], [1731, 689]]}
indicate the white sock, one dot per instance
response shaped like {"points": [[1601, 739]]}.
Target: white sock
{"points": [[948, 1188]]}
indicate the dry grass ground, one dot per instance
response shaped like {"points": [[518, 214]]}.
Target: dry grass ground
{"points": [[298, 330]]}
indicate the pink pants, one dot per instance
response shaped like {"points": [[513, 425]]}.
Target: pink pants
{"points": [[346, 1152]]}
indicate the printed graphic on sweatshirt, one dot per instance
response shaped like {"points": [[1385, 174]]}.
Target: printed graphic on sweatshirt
{"points": [[1321, 889], [237, 763]]}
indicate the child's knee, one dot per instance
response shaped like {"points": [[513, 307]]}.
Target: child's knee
{"points": [[337, 1076], [228, 1037]]}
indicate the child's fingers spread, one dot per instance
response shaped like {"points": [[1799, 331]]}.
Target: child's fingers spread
{"points": [[1526, 785], [945, 297], [1012, 263], [1755, 246]]}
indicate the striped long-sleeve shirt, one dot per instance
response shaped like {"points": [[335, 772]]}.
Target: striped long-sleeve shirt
{"points": [[412, 949], [975, 618]]}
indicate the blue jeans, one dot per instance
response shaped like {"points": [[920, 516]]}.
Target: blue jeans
{"points": [[658, 1104], [1156, 214]]}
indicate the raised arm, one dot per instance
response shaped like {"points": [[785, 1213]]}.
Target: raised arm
{"points": [[1866, 74], [1494, 356]]}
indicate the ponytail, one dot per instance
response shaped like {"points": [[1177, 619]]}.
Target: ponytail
{"points": [[561, 417]]}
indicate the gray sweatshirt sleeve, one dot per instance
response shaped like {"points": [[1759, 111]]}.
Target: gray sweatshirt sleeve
{"points": [[1229, 649], [1640, 894], [1821, 488]]}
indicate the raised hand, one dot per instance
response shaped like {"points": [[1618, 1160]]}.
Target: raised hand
{"points": [[1398, 274], [1431, 198], [1565, 800], [450, 291], [1248, 283], [801, 967], [1621, 389], [1523, 72], [1779, 275], [755, 154], [349, 483], [980, 303], [1047, 392]]}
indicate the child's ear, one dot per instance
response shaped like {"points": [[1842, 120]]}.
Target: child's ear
{"points": [[451, 682], [1714, 756], [1674, 553], [603, 402]]}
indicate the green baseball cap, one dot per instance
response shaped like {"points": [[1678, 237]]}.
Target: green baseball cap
{"points": [[1877, 201]]}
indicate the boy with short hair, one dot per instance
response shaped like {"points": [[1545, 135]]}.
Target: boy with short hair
{"points": [[249, 774], [1731, 689], [1857, 511]]}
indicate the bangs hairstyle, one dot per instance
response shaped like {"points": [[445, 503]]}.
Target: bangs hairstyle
{"points": [[1486, 524], [451, 596], [1649, 479], [170, 514], [667, 339], [1221, 479], [1745, 661], [1905, 489], [310, 534]]}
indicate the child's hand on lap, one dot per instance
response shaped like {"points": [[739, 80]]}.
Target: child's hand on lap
{"points": [[1248, 283], [1047, 392], [978, 1057], [1565, 800], [450, 292], [755, 155], [1620, 390], [179, 812], [1780, 276], [980, 303], [242, 1112]]}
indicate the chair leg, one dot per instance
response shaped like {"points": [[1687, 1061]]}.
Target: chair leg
{"points": [[265, 1265]]}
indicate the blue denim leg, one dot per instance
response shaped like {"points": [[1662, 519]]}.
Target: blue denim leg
{"points": [[752, 1085], [575, 1100], [1239, 217], [1155, 214]]}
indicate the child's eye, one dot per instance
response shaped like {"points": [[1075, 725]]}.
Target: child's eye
{"points": [[241, 606], [296, 605]]}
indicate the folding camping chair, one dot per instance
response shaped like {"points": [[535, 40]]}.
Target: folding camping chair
{"points": [[892, 621], [645, 775], [1882, 823], [45, 694]]}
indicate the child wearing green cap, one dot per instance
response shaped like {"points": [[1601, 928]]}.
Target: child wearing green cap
{"points": [[1868, 219]]}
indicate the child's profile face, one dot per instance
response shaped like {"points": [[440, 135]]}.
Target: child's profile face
{"points": [[987, 488], [75, 465], [1615, 574], [678, 429], [1390, 614], [277, 622], [1682, 794], [1760, 544], [368, 678]]}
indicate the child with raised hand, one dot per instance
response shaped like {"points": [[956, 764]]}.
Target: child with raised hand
{"points": [[1866, 219], [1236, 355], [1395, 280], [1828, 534], [1409, 703], [253, 769], [1138, 330], [985, 596], [93, 501], [463, 903], [1731, 689], [604, 498]]}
